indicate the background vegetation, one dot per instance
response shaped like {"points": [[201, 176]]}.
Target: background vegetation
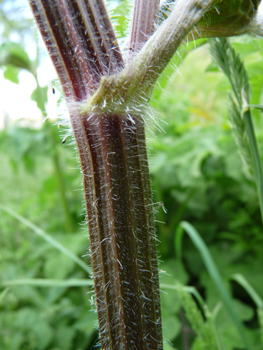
{"points": [[197, 176]]}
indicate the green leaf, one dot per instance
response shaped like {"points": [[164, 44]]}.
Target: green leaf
{"points": [[240, 279], [119, 16], [228, 18], [215, 276], [171, 327], [47, 238], [64, 337], [43, 333], [171, 69], [14, 54], [260, 321], [168, 346], [204, 330], [11, 73], [34, 326], [39, 95], [3, 294]]}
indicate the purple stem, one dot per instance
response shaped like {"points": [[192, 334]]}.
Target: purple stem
{"points": [[143, 22], [112, 150]]}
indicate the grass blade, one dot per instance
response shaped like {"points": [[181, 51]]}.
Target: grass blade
{"points": [[47, 238], [188, 289], [259, 107], [3, 294], [206, 335], [240, 279], [257, 168], [215, 275], [240, 115], [39, 282]]}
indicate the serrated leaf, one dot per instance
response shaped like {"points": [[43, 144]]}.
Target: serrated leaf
{"points": [[119, 16]]}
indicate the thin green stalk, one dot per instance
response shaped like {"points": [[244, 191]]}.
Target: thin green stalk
{"points": [[240, 279], [55, 158], [61, 185], [47, 238], [188, 289], [74, 282], [256, 162], [240, 113], [205, 331], [3, 294], [215, 276], [44, 282]]}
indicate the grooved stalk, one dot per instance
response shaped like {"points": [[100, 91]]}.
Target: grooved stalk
{"points": [[119, 207], [143, 22], [106, 103]]}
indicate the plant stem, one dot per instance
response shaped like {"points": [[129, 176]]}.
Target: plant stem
{"points": [[48, 238], [115, 175], [216, 277], [133, 85], [55, 157], [143, 22], [107, 102], [256, 162], [121, 229], [61, 185], [230, 63]]}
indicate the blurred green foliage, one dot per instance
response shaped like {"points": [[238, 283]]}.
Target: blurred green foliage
{"points": [[197, 175]]}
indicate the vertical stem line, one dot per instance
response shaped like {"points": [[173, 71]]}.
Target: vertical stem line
{"points": [[142, 208], [148, 205], [143, 22], [61, 185], [113, 157], [256, 162], [121, 232], [107, 281], [55, 157]]}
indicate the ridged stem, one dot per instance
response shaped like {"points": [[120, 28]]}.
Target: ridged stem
{"points": [[121, 228], [143, 22], [107, 102], [114, 165], [133, 85], [80, 41]]}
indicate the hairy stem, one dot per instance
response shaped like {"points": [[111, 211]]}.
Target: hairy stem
{"points": [[119, 207], [143, 22], [115, 175], [81, 42], [107, 103], [133, 84]]}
